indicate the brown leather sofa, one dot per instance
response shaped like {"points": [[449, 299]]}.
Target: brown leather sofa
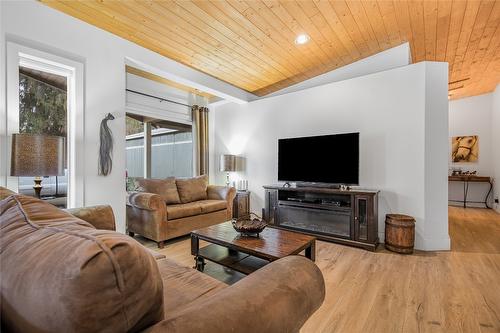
{"points": [[163, 209], [61, 274]]}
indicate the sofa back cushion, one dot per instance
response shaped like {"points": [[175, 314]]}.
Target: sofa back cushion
{"points": [[192, 189], [60, 274], [166, 188]]}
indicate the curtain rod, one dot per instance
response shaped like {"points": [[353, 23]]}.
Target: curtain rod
{"points": [[160, 98]]}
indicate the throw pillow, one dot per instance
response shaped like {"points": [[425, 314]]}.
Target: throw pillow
{"points": [[166, 188], [192, 189]]}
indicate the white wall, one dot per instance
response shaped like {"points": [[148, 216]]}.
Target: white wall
{"points": [[104, 57], [436, 168], [394, 111], [472, 116], [495, 129]]}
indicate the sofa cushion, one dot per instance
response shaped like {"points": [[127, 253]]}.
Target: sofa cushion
{"points": [[183, 285], [60, 274], [183, 210], [166, 188], [192, 189], [208, 206]]}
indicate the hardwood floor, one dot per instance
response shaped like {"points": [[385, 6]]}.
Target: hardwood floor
{"points": [[452, 291]]}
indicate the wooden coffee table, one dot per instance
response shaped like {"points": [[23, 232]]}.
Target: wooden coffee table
{"points": [[247, 254]]}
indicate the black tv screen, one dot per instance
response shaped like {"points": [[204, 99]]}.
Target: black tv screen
{"points": [[332, 159]]}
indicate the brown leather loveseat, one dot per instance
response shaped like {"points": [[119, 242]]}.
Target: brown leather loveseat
{"points": [[61, 274], [163, 209]]}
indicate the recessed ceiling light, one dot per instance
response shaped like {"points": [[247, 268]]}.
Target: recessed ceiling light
{"points": [[302, 39]]}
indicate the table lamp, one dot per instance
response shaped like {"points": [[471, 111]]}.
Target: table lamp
{"points": [[227, 164], [35, 155]]}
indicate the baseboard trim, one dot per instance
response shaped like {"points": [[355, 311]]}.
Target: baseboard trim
{"points": [[426, 244], [437, 243], [381, 237]]}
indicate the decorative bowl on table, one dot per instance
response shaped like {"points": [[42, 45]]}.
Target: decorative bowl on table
{"points": [[249, 225]]}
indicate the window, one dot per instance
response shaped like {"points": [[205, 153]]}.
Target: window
{"points": [[134, 147], [45, 96], [170, 150], [171, 153], [43, 110]]}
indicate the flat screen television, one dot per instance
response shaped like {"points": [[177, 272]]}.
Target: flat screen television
{"points": [[326, 159]]}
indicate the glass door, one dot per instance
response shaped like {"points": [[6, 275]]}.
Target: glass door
{"points": [[361, 217]]}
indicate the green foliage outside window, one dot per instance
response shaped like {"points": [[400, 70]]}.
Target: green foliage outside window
{"points": [[133, 126], [42, 108]]}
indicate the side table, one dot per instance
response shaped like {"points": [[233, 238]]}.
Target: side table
{"points": [[241, 204]]}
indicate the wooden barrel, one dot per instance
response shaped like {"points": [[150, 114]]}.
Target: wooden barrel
{"points": [[399, 233]]}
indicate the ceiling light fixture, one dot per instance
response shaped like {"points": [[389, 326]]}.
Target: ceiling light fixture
{"points": [[302, 39]]}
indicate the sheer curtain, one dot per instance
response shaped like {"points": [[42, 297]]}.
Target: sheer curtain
{"points": [[200, 139]]}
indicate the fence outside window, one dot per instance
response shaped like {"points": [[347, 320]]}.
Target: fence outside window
{"points": [[171, 154]]}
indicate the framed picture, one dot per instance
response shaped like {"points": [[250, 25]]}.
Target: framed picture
{"points": [[465, 149]]}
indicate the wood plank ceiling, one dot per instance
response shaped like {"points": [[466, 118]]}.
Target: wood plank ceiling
{"points": [[250, 44]]}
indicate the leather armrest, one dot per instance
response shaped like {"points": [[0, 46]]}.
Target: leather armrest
{"points": [[216, 192], [144, 200], [279, 297], [227, 193], [101, 217]]}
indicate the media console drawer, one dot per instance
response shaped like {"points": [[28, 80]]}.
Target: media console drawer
{"points": [[347, 217]]}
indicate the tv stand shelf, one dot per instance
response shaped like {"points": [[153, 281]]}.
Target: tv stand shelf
{"points": [[347, 217]]}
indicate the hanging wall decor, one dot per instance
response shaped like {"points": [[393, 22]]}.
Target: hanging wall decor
{"points": [[105, 147], [465, 149]]}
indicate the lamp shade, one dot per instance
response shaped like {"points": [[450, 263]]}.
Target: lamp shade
{"points": [[227, 163], [37, 155]]}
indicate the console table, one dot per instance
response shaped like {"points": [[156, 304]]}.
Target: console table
{"points": [[466, 179], [343, 216]]}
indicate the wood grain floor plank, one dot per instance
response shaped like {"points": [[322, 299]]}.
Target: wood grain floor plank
{"points": [[444, 291]]}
